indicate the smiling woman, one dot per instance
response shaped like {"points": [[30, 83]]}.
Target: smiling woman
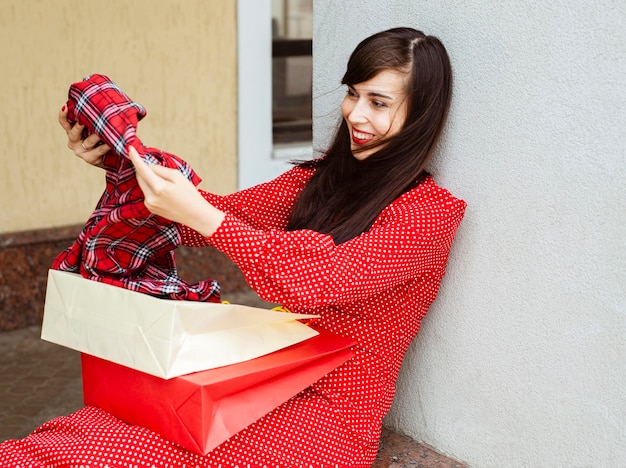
{"points": [[374, 110], [359, 237], [382, 150]]}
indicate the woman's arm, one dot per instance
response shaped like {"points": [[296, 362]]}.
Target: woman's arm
{"points": [[303, 268], [266, 206], [306, 269]]}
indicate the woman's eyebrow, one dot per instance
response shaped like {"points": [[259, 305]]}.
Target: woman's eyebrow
{"points": [[372, 93], [381, 95]]}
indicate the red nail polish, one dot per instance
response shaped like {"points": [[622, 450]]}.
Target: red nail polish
{"points": [[63, 109]]}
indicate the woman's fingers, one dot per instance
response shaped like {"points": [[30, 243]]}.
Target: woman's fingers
{"points": [[141, 168], [74, 131], [74, 136], [149, 182], [90, 142], [63, 119], [88, 149], [154, 187], [153, 174], [94, 156]]}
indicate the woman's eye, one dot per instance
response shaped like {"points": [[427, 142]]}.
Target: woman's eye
{"points": [[351, 93], [379, 104]]}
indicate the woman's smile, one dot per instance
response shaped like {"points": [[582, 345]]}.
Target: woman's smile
{"points": [[374, 109], [360, 138]]}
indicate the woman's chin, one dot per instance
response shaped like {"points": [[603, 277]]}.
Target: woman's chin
{"points": [[362, 154]]}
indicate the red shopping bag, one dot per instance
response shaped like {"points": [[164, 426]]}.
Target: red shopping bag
{"points": [[201, 410]]}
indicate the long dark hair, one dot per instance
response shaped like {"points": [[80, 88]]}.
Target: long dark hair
{"points": [[345, 195]]}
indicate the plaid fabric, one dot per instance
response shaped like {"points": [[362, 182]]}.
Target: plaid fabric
{"points": [[122, 243]]}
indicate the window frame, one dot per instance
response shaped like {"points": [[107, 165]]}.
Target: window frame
{"points": [[258, 159]]}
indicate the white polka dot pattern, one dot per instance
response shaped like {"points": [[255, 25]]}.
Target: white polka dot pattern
{"points": [[375, 288]]}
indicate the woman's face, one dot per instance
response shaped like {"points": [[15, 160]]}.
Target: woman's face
{"points": [[374, 109]]}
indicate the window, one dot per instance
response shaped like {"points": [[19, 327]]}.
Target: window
{"points": [[292, 68], [265, 28]]}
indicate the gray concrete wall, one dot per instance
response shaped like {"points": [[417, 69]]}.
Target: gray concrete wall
{"points": [[520, 362]]}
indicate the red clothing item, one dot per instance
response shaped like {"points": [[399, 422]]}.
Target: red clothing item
{"points": [[122, 243], [375, 288]]}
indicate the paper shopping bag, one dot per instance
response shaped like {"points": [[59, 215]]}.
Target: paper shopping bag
{"points": [[201, 410], [162, 337]]}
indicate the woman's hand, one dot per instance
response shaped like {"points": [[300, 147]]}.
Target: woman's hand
{"points": [[169, 194], [86, 149]]}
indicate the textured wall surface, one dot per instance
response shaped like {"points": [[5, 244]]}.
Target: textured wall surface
{"points": [[178, 59], [521, 360]]}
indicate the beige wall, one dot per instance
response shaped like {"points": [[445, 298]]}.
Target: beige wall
{"points": [[177, 58]]}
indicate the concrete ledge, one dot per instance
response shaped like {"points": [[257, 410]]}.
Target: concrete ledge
{"points": [[399, 451]]}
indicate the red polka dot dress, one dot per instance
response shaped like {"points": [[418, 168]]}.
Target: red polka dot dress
{"points": [[375, 288]]}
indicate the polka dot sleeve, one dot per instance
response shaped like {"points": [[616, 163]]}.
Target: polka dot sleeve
{"points": [[264, 206], [411, 238]]}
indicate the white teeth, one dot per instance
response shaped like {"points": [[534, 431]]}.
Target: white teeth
{"points": [[361, 135]]}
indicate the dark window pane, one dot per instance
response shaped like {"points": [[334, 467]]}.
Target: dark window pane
{"points": [[292, 71]]}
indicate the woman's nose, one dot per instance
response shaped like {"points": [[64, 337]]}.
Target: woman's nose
{"points": [[358, 113]]}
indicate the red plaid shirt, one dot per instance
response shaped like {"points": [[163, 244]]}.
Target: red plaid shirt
{"points": [[122, 243]]}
